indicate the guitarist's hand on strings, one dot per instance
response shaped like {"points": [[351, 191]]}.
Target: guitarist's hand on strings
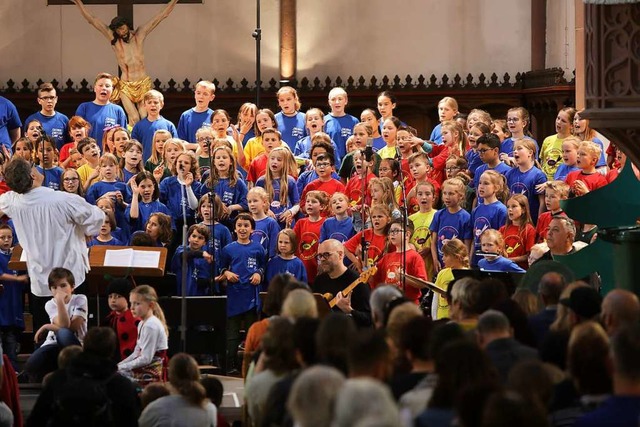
{"points": [[344, 303]]}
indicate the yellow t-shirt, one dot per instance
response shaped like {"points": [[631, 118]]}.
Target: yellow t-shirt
{"points": [[421, 237], [387, 152], [442, 281], [551, 155], [84, 172], [252, 149]]}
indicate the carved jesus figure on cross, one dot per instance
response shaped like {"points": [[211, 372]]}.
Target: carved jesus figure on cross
{"points": [[127, 45]]}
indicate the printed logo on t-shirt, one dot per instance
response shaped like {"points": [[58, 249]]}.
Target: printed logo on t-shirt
{"points": [[512, 244], [297, 132], [109, 122], [308, 246], [252, 263], [481, 224], [57, 133], [445, 234], [519, 188], [421, 236], [338, 236], [259, 236], [392, 278], [227, 197], [345, 132], [373, 254]]}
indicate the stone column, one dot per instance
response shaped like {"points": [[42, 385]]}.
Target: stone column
{"points": [[288, 59]]}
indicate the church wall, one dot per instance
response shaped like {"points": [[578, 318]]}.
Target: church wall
{"points": [[561, 36], [335, 38]]}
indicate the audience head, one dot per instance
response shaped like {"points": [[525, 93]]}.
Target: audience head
{"points": [[184, 377], [492, 325], [313, 396], [378, 300], [561, 235], [100, 341], [334, 331], [508, 409], [277, 346], [584, 304], [551, 286], [304, 340], [299, 303], [214, 389], [619, 308], [588, 359], [365, 396], [369, 355], [625, 351], [152, 392]]}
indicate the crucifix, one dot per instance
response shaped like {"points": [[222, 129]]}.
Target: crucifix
{"points": [[127, 44]]}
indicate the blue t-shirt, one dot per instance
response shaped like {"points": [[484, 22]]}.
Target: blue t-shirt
{"points": [[525, 183], [502, 168], [172, 195], [266, 234], [616, 411], [143, 131], [473, 160], [11, 309], [302, 150], [378, 144], [340, 129], [100, 188], [563, 170], [190, 121], [145, 210], [278, 265], [448, 226], [236, 195], [602, 161], [112, 242], [333, 228], [52, 177], [244, 260], [485, 217], [197, 270], [292, 128], [436, 134], [507, 146], [9, 120], [101, 117], [55, 126], [499, 264], [293, 197], [219, 237]]}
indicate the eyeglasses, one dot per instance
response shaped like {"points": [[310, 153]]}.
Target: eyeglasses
{"points": [[324, 255], [384, 169], [395, 231], [454, 168], [48, 98], [484, 150], [70, 179], [322, 165], [513, 120]]}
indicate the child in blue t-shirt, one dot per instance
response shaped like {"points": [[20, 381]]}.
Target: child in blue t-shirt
{"points": [[291, 122], [492, 242], [198, 116], [340, 225], [219, 235], [172, 193], [144, 130], [243, 264], [11, 290], [144, 201], [450, 222], [198, 263], [104, 237], [491, 213], [526, 178], [286, 262], [338, 124], [46, 166], [227, 184], [267, 228]]}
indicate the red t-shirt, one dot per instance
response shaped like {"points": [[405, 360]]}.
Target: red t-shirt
{"points": [[438, 156], [376, 245], [257, 168], [354, 189], [612, 175], [308, 234], [329, 187], [518, 243], [591, 180], [414, 205], [388, 265]]}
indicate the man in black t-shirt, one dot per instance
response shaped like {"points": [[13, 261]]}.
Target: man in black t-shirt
{"points": [[334, 277]]}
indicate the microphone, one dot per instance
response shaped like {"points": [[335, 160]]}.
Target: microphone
{"points": [[398, 154], [368, 150]]}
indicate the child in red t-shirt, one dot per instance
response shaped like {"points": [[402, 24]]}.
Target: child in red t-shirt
{"points": [[324, 165], [587, 179], [518, 233], [308, 231], [375, 238], [258, 167], [554, 191]]}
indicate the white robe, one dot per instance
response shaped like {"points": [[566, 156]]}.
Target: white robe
{"points": [[51, 226]]}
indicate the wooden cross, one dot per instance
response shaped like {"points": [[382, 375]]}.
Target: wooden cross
{"points": [[125, 7]]}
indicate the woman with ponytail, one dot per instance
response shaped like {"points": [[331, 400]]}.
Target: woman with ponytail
{"points": [[187, 405]]}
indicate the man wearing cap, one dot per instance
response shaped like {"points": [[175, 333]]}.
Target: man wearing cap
{"points": [[121, 320], [584, 304]]}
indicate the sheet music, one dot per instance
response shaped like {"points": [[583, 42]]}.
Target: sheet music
{"points": [[23, 256], [118, 257], [145, 259]]}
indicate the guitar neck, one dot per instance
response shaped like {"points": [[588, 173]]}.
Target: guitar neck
{"points": [[361, 279]]}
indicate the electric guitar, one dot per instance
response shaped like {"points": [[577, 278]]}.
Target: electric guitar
{"points": [[363, 278]]}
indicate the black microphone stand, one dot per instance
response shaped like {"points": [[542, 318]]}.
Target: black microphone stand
{"points": [[183, 302], [364, 243], [257, 34], [404, 216], [212, 227], [41, 135]]}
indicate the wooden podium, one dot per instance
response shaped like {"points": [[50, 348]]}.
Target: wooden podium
{"points": [[96, 282]]}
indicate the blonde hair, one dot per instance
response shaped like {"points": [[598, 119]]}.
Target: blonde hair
{"points": [[173, 142], [573, 140], [153, 94], [454, 127], [288, 169], [320, 196], [496, 237], [291, 91], [206, 84], [149, 295], [156, 157], [457, 249], [449, 102], [387, 189], [500, 182], [260, 192], [299, 303], [247, 106], [591, 148], [110, 159], [215, 177], [193, 168], [337, 91], [482, 116], [458, 186], [560, 187], [336, 195]]}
